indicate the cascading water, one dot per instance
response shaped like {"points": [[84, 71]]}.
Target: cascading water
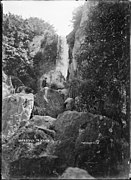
{"points": [[58, 74], [62, 62]]}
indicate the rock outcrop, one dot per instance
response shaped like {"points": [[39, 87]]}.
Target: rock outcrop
{"points": [[69, 104], [91, 142], [79, 37], [46, 147], [27, 154], [53, 104], [7, 87], [42, 135], [43, 121], [68, 123], [75, 173], [16, 82], [64, 92], [29, 150], [16, 111]]}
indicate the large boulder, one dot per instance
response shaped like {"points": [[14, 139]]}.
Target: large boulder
{"points": [[64, 93], [54, 104], [75, 173], [27, 154], [100, 148], [91, 142], [67, 130], [69, 104], [43, 121], [16, 111], [68, 123]]}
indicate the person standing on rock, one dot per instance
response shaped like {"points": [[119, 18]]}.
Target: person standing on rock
{"points": [[45, 88], [44, 83]]}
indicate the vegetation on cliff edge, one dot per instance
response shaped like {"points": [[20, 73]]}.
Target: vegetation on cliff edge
{"points": [[22, 41], [103, 61]]}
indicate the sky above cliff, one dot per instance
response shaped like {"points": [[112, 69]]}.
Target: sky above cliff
{"points": [[57, 13]]}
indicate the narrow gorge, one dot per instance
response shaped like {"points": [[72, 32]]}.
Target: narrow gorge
{"points": [[76, 125]]}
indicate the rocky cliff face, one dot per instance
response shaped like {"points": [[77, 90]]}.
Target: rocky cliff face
{"points": [[7, 87], [44, 137], [16, 110], [79, 37]]}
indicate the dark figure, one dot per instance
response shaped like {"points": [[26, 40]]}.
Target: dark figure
{"points": [[44, 83]]}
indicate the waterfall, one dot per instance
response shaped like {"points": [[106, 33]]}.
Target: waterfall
{"points": [[62, 61]]}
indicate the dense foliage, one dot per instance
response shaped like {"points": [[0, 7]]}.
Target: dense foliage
{"points": [[103, 62], [22, 39]]}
